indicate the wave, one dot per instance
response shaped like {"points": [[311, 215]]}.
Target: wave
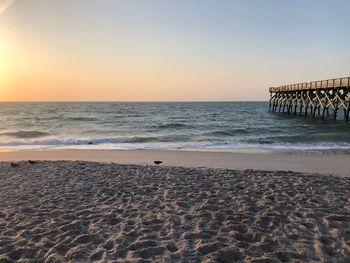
{"points": [[231, 132], [281, 146], [25, 134], [63, 142], [306, 138], [173, 126], [137, 139], [164, 144], [82, 119]]}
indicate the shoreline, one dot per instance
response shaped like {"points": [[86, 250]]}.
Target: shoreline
{"points": [[305, 162]]}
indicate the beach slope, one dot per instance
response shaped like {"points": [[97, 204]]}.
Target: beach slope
{"points": [[307, 162]]}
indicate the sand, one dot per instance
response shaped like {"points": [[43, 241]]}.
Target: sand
{"points": [[65, 211], [310, 162]]}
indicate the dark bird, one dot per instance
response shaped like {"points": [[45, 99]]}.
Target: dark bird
{"points": [[32, 162], [14, 165], [158, 162]]}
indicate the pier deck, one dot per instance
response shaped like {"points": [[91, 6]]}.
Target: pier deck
{"points": [[324, 97]]}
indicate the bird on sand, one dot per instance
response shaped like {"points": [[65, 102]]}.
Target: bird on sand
{"points": [[14, 165], [158, 162], [32, 162]]}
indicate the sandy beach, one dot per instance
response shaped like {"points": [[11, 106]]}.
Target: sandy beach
{"points": [[78, 211]]}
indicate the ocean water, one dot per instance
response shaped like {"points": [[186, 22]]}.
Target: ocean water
{"points": [[184, 125]]}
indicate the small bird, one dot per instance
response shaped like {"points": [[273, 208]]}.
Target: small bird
{"points": [[32, 162], [14, 165], [158, 162]]}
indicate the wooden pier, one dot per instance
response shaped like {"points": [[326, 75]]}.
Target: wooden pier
{"points": [[322, 98]]}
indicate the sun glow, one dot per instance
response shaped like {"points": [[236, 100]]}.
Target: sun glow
{"points": [[5, 4], [7, 60]]}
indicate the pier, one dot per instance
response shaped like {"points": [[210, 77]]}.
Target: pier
{"points": [[324, 98]]}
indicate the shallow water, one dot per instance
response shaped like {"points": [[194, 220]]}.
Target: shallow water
{"points": [[180, 125]]}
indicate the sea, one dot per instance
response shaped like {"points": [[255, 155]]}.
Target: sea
{"points": [[203, 126]]}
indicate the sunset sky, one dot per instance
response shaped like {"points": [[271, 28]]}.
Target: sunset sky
{"points": [[128, 50]]}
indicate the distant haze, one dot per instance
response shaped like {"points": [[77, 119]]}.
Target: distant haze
{"points": [[165, 50]]}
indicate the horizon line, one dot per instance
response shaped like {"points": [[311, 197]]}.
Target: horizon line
{"points": [[130, 101]]}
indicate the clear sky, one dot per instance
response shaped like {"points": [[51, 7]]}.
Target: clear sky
{"points": [[129, 50]]}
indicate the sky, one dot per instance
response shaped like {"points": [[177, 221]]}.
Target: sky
{"points": [[167, 50]]}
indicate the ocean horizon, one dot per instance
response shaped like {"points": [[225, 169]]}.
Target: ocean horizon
{"points": [[164, 126]]}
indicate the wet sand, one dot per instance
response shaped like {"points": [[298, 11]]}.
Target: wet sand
{"points": [[64, 211], [322, 162]]}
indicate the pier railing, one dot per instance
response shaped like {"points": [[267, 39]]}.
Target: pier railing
{"points": [[318, 96], [321, 84]]}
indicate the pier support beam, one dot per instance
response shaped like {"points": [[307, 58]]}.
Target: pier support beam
{"points": [[314, 97]]}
